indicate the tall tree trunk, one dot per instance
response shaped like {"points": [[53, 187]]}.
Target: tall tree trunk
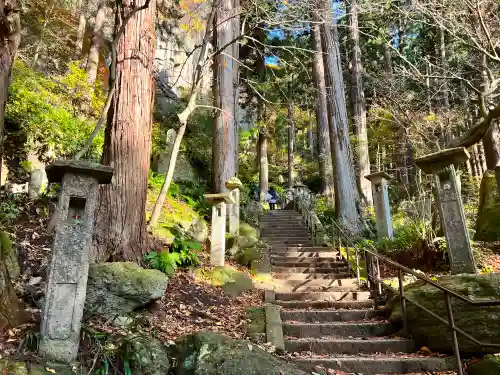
{"points": [[359, 104], [347, 201], [324, 151], [224, 125], [121, 220], [263, 165], [491, 140], [310, 136], [80, 32], [10, 36], [291, 138], [428, 86], [236, 77], [97, 39], [11, 313]]}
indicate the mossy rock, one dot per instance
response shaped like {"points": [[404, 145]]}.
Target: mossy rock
{"points": [[149, 356], [483, 323], [117, 288], [489, 365], [257, 325], [208, 353], [26, 368], [230, 280], [488, 216], [246, 230], [8, 256], [245, 257]]}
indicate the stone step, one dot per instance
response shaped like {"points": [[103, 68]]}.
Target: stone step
{"points": [[311, 249], [286, 239], [349, 346], [305, 254], [298, 276], [311, 269], [328, 263], [323, 296], [380, 364], [325, 316], [355, 305], [314, 285], [313, 260], [338, 329]]}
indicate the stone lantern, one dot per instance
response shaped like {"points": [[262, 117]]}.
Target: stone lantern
{"points": [[442, 165], [381, 201], [68, 270]]}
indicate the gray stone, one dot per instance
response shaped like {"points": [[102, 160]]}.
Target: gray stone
{"points": [[5, 173], [207, 353], [198, 229], [218, 237], [68, 270], [482, 322], [38, 183], [184, 171], [381, 202], [121, 287], [442, 165], [149, 356], [14, 188], [489, 365], [274, 329]]}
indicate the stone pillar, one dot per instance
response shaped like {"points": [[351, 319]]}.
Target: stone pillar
{"points": [[381, 202], [68, 270], [234, 185], [442, 165], [218, 237]]}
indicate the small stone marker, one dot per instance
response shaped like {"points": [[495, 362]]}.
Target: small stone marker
{"points": [[218, 237], [442, 164], [381, 201], [69, 266], [234, 185]]}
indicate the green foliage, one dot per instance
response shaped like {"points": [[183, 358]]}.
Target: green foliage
{"points": [[182, 253], [56, 113], [325, 210], [9, 209]]}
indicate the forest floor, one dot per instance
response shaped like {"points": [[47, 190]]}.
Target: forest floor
{"points": [[189, 305]]}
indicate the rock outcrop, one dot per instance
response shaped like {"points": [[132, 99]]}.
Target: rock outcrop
{"points": [[483, 323], [208, 353], [115, 289]]}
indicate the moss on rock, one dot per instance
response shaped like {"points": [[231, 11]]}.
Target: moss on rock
{"points": [[257, 326], [489, 365], [229, 279], [121, 287], [488, 217], [245, 257], [482, 323], [208, 353]]}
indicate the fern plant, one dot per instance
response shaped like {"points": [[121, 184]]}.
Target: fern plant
{"points": [[182, 253]]}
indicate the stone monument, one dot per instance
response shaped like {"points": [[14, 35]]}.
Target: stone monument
{"points": [[381, 201], [218, 236], [234, 185], [68, 270], [442, 165]]}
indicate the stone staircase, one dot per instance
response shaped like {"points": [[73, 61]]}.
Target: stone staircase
{"points": [[328, 320]]}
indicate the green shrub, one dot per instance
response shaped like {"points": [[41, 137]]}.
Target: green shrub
{"points": [[57, 113], [182, 253]]}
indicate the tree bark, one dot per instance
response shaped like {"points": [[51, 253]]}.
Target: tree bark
{"points": [[80, 32], [263, 165], [310, 136], [291, 138], [324, 151], [10, 35], [224, 125], [121, 220], [347, 202], [359, 103], [97, 39]]}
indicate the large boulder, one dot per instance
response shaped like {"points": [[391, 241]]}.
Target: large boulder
{"points": [[117, 288], [229, 279], [488, 215], [489, 365], [208, 353], [483, 323], [149, 356]]}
